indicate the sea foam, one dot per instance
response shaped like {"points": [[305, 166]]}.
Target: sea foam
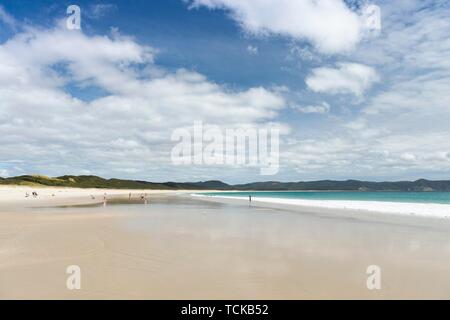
{"points": [[431, 210]]}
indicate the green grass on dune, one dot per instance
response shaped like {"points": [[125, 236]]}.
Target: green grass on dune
{"points": [[80, 182], [421, 185]]}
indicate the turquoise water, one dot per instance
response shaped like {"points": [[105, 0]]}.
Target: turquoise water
{"points": [[407, 197]]}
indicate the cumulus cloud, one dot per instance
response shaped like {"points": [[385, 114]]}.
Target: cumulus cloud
{"points": [[329, 24], [321, 109], [345, 78], [46, 122], [401, 131]]}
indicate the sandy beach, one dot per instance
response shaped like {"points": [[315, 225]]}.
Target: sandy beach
{"points": [[15, 196], [182, 247]]}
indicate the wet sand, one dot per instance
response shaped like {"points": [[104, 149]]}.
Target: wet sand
{"points": [[177, 247]]}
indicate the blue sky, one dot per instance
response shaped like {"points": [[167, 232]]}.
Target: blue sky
{"points": [[352, 102], [181, 35]]}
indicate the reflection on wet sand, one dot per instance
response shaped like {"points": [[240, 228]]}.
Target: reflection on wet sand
{"points": [[182, 248]]}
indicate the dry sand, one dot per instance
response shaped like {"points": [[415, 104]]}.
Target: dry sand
{"points": [[177, 247], [15, 196]]}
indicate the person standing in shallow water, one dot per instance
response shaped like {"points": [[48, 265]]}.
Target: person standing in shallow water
{"points": [[249, 198]]}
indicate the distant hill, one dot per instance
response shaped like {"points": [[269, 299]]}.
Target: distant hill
{"points": [[213, 185], [349, 185], [98, 182]]}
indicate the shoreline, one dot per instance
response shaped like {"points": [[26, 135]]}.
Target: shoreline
{"points": [[428, 210], [230, 250], [338, 212], [14, 197]]}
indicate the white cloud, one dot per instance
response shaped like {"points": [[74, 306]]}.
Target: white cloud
{"points": [[329, 24], [7, 19], [321, 109], [346, 78], [303, 53], [408, 156], [99, 10], [401, 131], [128, 126], [252, 49], [4, 173]]}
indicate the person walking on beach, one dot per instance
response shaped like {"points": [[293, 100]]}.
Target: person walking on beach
{"points": [[249, 198], [129, 197]]}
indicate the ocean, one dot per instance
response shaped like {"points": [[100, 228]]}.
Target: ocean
{"points": [[405, 197], [428, 204]]}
